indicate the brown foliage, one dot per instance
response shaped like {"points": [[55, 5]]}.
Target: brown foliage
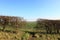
{"points": [[49, 24], [12, 21]]}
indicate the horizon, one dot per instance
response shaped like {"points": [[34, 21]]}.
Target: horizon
{"points": [[31, 10], [32, 20]]}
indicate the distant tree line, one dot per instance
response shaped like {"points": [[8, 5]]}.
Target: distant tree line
{"points": [[49, 25], [15, 22]]}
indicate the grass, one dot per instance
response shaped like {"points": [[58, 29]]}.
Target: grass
{"points": [[21, 35], [10, 36], [30, 25]]}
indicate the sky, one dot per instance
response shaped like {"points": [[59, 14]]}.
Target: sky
{"points": [[31, 9]]}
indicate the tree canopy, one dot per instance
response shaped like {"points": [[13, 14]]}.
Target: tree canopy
{"points": [[12, 21]]}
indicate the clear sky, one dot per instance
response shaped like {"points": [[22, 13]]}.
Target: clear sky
{"points": [[31, 9]]}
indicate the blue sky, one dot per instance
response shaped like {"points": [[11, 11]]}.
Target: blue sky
{"points": [[31, 9]]}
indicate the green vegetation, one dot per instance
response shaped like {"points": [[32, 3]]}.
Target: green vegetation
{"points": [[19, 29], [30, 24]]}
